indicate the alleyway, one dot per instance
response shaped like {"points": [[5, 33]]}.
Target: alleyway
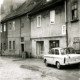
{"points": [[34, 69]]}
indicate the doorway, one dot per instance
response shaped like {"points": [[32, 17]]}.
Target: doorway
{"points": [[22, 47], [39, 48]]}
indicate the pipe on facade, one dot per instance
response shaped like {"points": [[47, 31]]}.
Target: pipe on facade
{"points": [[66, 21]]}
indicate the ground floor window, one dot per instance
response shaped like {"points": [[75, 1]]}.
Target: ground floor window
{"points": [[9, 45], [53, 43], [13, 45]]}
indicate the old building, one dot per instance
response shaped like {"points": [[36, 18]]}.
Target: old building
{"points": [[73, 23], [16, 30], [48, 26]]}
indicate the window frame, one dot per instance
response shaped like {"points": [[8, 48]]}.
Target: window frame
{"points": [[13, 25], [39, 21], [4, 27], [10, 45], [74, 8], [63, 29], [22, 39], [14, 45], [10, 26], [52, 17]]}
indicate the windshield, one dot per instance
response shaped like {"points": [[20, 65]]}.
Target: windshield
{"points": [[67, 51]]}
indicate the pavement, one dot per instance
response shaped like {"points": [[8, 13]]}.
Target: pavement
{"points": [[12, 68]]}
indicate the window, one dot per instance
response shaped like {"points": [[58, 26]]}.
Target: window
{"points": [[10, 25], [39, 21], [13, 45], [0, 27], [13, 26], [4, 46], [22, 39], [74, 11], [4, 26], [64, 29], [52, 17], [9, 45], [56, 52], [52, 51], [53, 43]]}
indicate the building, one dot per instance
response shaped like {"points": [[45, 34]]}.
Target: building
{"points": [[16, 30], [48, 26], [73, 23], [37, 26]]}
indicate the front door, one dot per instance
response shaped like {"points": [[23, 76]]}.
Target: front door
{"points": [[39, 48], [22, 47]]}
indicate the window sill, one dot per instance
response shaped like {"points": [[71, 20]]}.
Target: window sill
{"points": [[75, 20]]}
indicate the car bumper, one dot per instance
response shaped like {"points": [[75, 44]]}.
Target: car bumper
{"points": [[71, 63]]}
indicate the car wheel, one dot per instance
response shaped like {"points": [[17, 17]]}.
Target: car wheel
{"points": [[58, 65], [46, 63]]}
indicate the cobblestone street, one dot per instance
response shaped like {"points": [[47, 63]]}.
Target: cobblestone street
{"points": [[34, 69]]}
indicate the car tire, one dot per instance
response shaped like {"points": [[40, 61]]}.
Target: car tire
{"points": [[58, 65], [46, 63]]}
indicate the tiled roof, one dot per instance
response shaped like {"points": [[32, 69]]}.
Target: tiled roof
{"points": [[43, 6], [30, 7], [23, 9]]}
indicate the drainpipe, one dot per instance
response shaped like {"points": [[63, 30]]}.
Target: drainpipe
{"points": [[20, 39], [66, 17]]}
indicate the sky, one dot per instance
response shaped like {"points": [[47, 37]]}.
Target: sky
{"points": [[6, 6]]}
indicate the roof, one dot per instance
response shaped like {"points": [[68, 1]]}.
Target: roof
{"points": [[44, 6], [23, 9], [30, 8]]}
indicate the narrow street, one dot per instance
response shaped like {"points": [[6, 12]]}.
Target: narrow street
{"points": [[34, 69]]}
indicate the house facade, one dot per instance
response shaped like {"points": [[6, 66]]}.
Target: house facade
{"points": [[16, 31], [73, 23], [48, 27]]}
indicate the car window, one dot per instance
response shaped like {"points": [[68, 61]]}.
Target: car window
{"points": [[56, 52], [51, 51], [63, 51]]}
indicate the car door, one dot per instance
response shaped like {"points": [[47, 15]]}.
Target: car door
{"points": [[50, 57], [56, 56]]}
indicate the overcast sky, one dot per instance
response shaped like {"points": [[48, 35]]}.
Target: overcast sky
{"points": [[7, 4]]}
